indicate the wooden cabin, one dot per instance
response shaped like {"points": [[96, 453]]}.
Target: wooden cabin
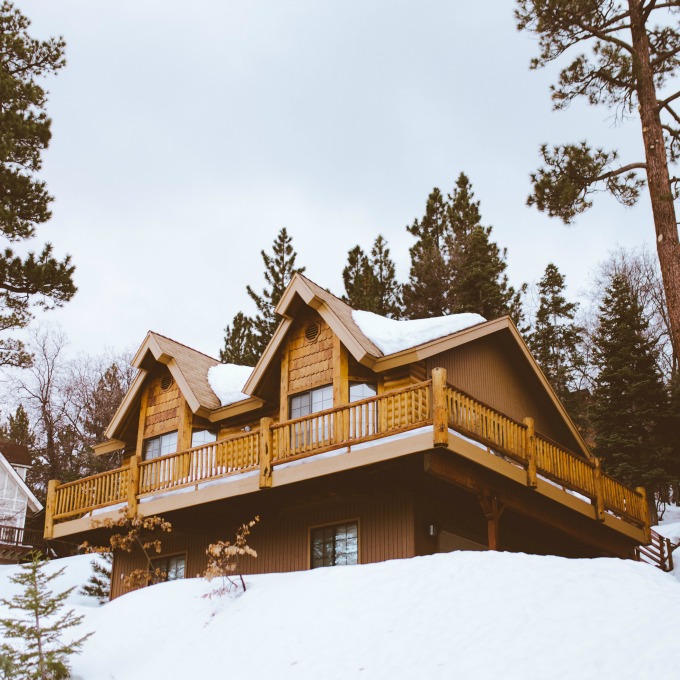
{"points": [[355, 439]]}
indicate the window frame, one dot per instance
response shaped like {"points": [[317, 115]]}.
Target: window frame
{"points": [[169, 556], [159, 437], [197, 430], [323, 525]]}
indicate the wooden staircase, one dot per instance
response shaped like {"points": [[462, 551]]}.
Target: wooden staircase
{"points": [[659, 552]]}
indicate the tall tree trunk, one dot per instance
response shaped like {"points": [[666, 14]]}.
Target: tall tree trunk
{"points": [[658, 180]]}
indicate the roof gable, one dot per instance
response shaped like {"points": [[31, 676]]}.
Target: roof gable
{"points": [[33, 503]]}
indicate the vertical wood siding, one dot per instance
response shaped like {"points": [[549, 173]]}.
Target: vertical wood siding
{"points": [[490, 371], [281, 539]]}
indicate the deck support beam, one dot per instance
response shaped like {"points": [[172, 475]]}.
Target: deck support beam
{"points": [[492, 509]]}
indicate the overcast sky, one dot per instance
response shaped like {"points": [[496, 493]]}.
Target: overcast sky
{"points": [[185, 135]]}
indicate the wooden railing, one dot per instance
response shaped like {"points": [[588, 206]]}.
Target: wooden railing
{"points": [[19, 537], [432, 402], [543, 457], [360, 421], [90, 493], [658, 552], [209, 461]]}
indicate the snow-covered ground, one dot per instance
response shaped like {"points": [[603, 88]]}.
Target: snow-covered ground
{"points": [[460, 615]]}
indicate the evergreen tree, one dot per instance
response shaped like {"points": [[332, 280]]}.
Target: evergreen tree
{"points": [[35, 278], [18, 429], [478, 280], [279, 270], [630, 403], [370, 283], [623, 55], [555, 337], [455, 267], [239, 344], [426, 293], [41, 653], [99, 583], [358, 280]]}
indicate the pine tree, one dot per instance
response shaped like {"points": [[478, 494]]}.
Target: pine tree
{"points": [[99, 583], [630, 403], [18, 429], [279, 270], [479, 283], [239, 342], [455, 267], [41, 654], [426, 293], [370, 282], [554, 338], [33, 279]]}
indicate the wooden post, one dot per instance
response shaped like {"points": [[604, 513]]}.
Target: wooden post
{"points": [[265, 453], [340, 389], [182, 465], [647, 527], [532, 477], [50, 507], [133, 486], [439, 410], [492, 509], [598, 501]]}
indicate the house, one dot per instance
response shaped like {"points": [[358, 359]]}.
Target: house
{"points": [[356, 439], [17, 502]]}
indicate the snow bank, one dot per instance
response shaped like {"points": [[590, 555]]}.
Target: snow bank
{"points": [[390, 335], [227, 381], [461, 615]]}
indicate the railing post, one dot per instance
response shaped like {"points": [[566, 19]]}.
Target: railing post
{"points": [[530, 450], [645, 508], [133, 486], [265, 453], [598, 501], [50, 507], [440, 420]]}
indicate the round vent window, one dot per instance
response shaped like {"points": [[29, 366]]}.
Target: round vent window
{"points": [[166, 382], [312, 332]]}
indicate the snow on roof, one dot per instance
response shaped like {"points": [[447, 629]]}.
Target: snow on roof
{"points": [[391, 336], [227, 381]]}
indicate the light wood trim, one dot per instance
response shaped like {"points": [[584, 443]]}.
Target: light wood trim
{"points": [[599, 491], [265, 453], [49, 507], [185, 429], [283, 394], [108, 447], [440, 418], [126, 404], [144, 402], [236, 409], [340, 373], [532, 478], [133, 486]]}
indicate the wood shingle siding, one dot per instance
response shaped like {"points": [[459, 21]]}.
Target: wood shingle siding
{"points": [[162, 413], [310, 363]]}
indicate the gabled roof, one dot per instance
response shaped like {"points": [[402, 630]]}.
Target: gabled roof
{"points": [[16, 454], [188, 367], [339, 317], [33, 503]]}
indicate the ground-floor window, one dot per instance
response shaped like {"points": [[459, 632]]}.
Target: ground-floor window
{"points": [[335, 545], [170, 568]]}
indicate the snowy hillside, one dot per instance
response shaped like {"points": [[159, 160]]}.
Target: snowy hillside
{"points": [[459, 615]]}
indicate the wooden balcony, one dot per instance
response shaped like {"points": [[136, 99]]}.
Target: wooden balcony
{"points": [[16, 542], [432, 404]]}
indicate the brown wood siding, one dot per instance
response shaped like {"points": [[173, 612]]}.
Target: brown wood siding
{"points": [[310, 363], [163, 406], [494, 372], [386, 531]]}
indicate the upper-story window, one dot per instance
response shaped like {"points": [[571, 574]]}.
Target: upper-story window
{"points": [[160, 446], [312, 401], [200, 437], [359, 391]]}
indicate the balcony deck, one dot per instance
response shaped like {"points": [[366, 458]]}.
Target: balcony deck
{"points": [[453, 419]]}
